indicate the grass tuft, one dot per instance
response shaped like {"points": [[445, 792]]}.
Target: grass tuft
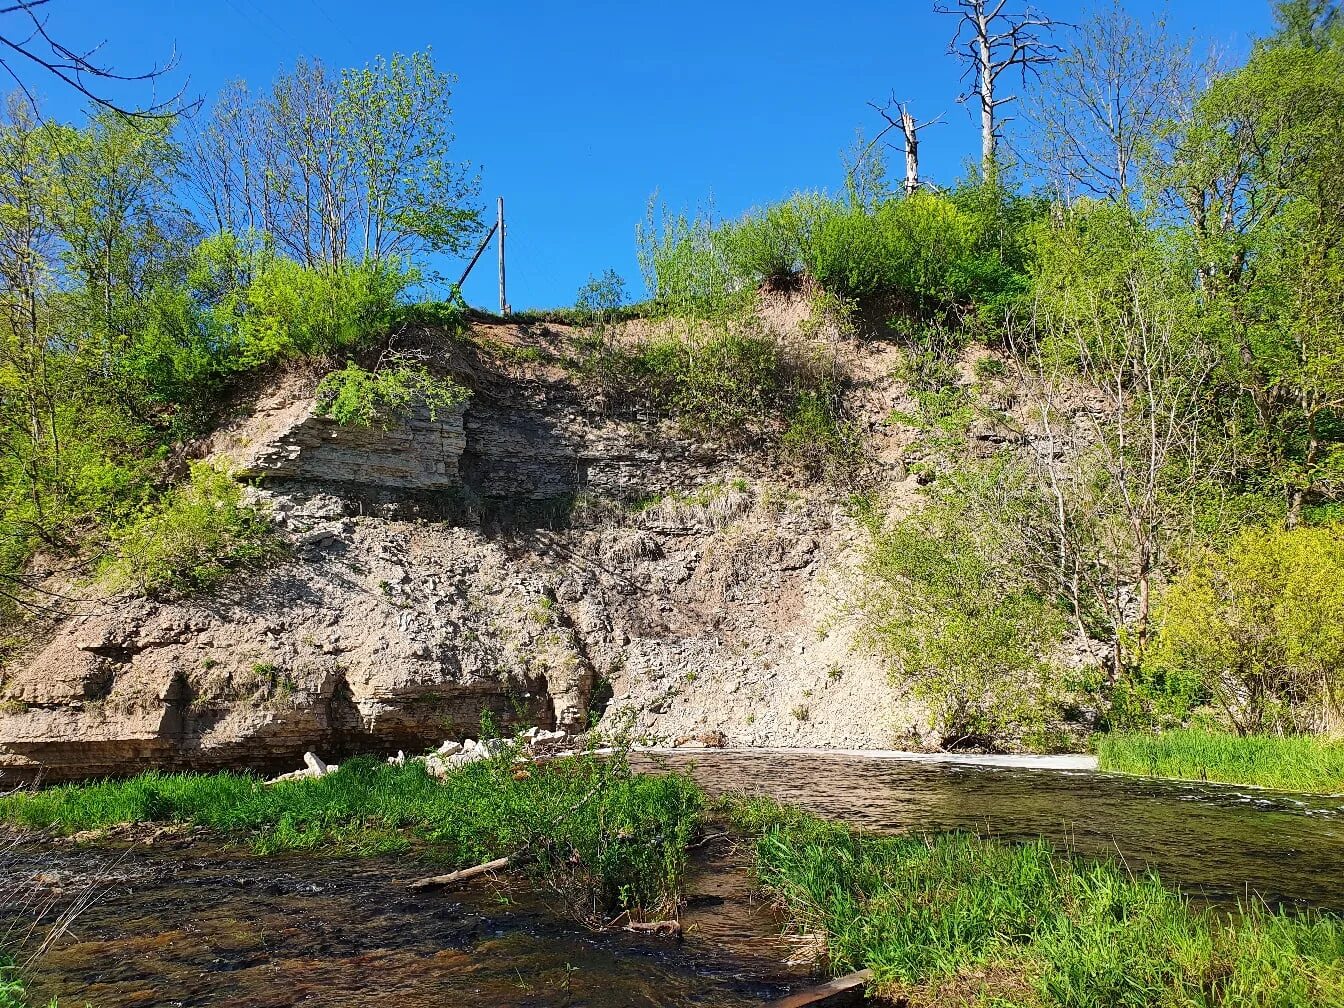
{"points": [[1305, 764]]}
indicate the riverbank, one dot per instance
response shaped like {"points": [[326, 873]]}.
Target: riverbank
{"points": [[957, 919], [1023, 761], [1304, 764], [935, 912], [609, 839]]}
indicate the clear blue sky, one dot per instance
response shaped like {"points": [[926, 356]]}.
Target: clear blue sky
{"points": [[577, 112]]}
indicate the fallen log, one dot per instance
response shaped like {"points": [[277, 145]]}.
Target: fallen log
{"points": [[838, 993], [667, 928], [461, 876]]}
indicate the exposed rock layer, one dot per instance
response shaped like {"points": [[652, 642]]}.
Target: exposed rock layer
{"points": [[527, 557]]}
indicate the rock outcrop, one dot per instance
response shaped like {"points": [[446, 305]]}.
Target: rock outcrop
{"points": [[527, 558]]}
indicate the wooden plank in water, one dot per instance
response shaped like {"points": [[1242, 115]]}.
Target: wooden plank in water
{"points": [[842, 992]]}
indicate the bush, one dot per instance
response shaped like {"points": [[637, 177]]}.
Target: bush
{"points": [[953, 608], [601, 297], [193, 538], [290, 311], [927, 251], [358, 398], [1257, 626]]}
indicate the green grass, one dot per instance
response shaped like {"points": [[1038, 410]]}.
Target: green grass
{"points": [[11, 986], [1292, 763], [602, 836], [958, 920]]}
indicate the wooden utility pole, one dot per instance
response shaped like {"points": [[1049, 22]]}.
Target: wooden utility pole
{"points": [[499, 225]]}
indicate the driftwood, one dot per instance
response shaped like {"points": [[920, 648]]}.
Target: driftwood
{"points": [[667, 928], [845, 990], [463, 875]]}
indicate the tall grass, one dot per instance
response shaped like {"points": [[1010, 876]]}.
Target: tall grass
{"points": [[32, 921], [605, 837], [11, 986], [957, 920], [1289, 763]]}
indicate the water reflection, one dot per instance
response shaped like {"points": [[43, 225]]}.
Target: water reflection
{"points": [[222, 929], [204, 926]]}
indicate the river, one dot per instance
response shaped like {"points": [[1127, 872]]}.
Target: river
{"points": [[205, 925]]}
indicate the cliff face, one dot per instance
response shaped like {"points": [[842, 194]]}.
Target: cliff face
{"points": [[525, 556]]}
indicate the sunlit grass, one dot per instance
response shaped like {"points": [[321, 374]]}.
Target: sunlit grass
{"points": [[958, 920], [1294, 763], [11, 986], [587, 825]]}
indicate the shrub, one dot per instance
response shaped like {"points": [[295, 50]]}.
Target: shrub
{"points": [[191, 539], [1257, 625], [927, 251], [358, 398], [290, 310], [954, 609], [601, 297]]}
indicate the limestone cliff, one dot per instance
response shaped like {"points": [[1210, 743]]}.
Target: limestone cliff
{"points": [[528, 556]]}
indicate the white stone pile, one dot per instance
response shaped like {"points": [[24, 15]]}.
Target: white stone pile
{"points": [[313, 767], [451, 755], [532, 743]]}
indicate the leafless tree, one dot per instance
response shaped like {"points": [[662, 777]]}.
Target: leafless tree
{"points": [[26, 46], [1105, 97], [992, 41], [1117, 393], [897, 116]]}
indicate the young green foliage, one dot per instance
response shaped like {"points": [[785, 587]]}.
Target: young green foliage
{"points": [[955, 609], [386, 397], [1257, 625], [190, 540]]}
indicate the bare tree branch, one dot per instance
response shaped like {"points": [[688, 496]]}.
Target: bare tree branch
{"points": [[993, 42], [25, 37]]}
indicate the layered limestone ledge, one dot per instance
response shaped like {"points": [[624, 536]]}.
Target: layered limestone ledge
{"points": [[290, 442]]}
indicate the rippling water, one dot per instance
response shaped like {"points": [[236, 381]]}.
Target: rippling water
{"points": [[1215, 841], [205, 926]]}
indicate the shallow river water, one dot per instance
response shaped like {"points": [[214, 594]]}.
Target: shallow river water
{"points": [[205, 926]]}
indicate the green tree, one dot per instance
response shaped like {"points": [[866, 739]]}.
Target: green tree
{"points": [[956, 607], [1257, 623], [1259, 175], [355, 165]]}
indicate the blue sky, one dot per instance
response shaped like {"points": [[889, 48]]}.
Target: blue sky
{"points": [[578, 112]]}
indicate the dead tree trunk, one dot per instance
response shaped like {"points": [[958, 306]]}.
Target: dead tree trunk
{"points": [[911, 151], [991, 41]]}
